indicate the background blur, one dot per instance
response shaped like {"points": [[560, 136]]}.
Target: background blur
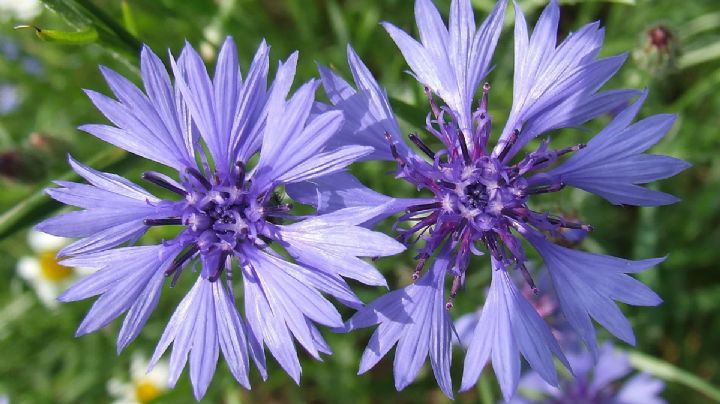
{"points": [[674, 51]]}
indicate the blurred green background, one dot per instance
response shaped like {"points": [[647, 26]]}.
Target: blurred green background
{"points": [[674, 51]]}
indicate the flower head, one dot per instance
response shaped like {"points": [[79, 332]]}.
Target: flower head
{"points": [[595, 381], [483, 191], [231, 222]]}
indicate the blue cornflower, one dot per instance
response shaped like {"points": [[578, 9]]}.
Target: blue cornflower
{"points": [[596, 381], [209, 131], [482, 194]]}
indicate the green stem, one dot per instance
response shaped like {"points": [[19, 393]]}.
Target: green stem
{"points": [[132, 44], [38, 205], [485, 389], [669, 372]]}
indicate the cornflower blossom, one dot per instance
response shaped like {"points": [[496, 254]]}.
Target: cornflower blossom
{"points": [[482, 193], [209, 130], [596, 381]]}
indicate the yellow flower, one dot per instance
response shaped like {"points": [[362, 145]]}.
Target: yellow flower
{"points": [[43, 271], [143, 386]]}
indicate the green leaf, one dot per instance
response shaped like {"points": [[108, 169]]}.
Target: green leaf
{"points": [[83, 13], [82, 37], [128, 18], [38, 205], [669, 372], [702, 55], [704, 23], [411, 114]]}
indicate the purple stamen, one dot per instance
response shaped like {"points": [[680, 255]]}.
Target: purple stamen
{"points": [[221, 265], [279, 210], [433, 106], [464, 148], [455, 286], [446, 184], [421, 145], [526, 275], [393, 150], [422, 258], [240, 174], [177, 264], [170, 221], [157, 179], [426, 206], [506, 146], [485, 98], [547, 189], [201, 179], [558, 221]]}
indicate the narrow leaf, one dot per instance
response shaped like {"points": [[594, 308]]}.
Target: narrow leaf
{"points": [[82, 37], [38, 205], [669, 372]]}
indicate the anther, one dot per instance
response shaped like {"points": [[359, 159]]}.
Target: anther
{"points": [[558, 221], [280, 209], [557, 154], [433, 106], [526, 275], [170, 221], [221, 265], [179, 261], [426, 206], [201, 179], [422, 258], [455, 286], [509, 144], [422, 146], [240, 179], [571, 149], [393, 150], [159, 180], [544, 190], [484, 100], [464, 148]]}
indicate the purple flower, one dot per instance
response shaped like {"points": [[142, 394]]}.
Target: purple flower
{"points": [[482, 194], [595, 381], [209, 130]]}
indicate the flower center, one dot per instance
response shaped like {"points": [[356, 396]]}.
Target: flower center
{"points": [[218, 216], [146, 391], [480, 196], [50, 269]]}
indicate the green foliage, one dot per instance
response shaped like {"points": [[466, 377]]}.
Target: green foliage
{"points": [[41, 361]]}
